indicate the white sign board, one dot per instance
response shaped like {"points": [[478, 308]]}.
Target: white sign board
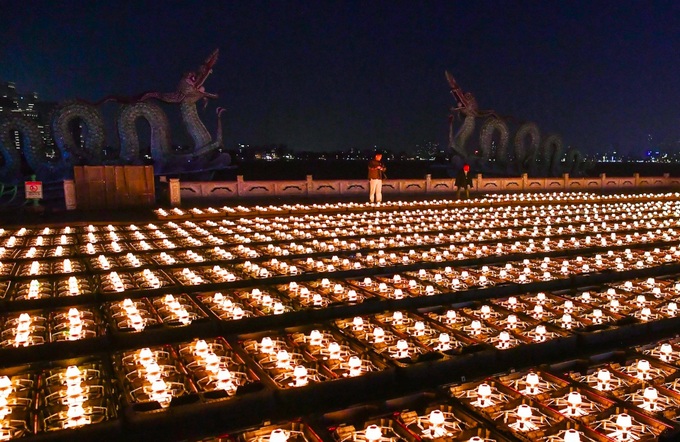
{"points": [[33, 190]]}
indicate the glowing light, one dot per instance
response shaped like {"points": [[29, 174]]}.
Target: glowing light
{"points": [[643, 369], [484, 395], [572, 435], [373, 433], [300, 375], [355, 365], [624, 422], [574, 401], [603, 379], [524, 415], [278, 435]]}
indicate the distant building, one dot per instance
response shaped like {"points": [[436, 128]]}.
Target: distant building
{"points": [[428, 150], [15, 104]]}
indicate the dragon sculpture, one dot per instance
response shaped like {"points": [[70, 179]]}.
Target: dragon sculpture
{"points": [[206, 154], [529, 155]]}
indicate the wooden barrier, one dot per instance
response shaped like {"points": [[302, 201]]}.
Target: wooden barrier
{"points": [[113, 187]]}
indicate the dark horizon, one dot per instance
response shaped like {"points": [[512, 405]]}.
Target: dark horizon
{"points": [[329, 76]]}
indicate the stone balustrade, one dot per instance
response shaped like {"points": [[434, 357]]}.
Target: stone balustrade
{"points": [[427, 186]]}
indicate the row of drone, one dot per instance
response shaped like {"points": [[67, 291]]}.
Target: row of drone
{"points": [[337, 324]]}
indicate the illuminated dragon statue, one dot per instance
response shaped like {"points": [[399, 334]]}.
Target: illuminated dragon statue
{"points": [[528, 155], [206, 154]]}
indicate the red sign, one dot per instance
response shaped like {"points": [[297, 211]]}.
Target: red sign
{"points": [[33, 190]]}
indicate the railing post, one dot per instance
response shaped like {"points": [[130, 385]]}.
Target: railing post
{"points": [[175, 192], [70, 194], [310, 185], [565, 177], [525, 182], [428, 183], [239, 185]]}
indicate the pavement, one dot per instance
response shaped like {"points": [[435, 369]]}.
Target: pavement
{"points": [[53, 211]]}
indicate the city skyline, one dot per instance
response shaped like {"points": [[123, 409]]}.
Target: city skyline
{"points": [[332, 76], [14, 102]]}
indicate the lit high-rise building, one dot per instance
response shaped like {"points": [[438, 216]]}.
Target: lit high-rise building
{"points": [[15, 104]]}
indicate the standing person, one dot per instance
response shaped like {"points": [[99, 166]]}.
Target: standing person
{"points": [[376, 173], [464, 181]]}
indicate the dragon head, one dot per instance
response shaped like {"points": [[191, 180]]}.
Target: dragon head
{"points": [[466, 101], [206, 69], [190, 88], [192, 82]]}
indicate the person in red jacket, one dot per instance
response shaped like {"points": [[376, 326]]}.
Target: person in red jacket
{"points": [[376, 173], [464, 181]]}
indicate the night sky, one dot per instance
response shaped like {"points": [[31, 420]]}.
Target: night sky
{"points": [[323, 75]]}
